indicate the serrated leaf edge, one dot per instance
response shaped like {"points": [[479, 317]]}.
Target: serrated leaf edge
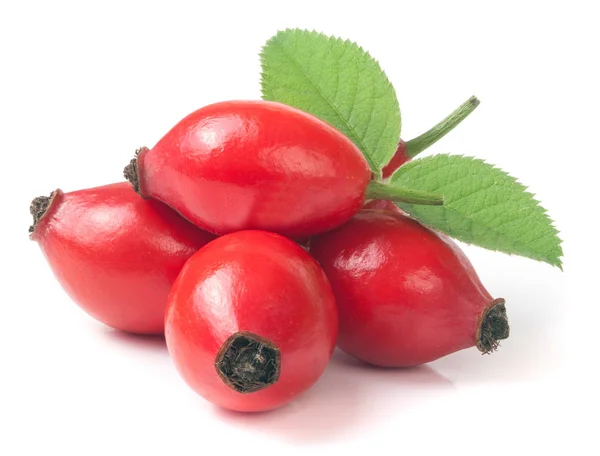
{"points": [[356, 138], [554, 261]]}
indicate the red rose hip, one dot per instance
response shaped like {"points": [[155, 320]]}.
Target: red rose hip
{"points": [[383, 205], [241, 165], [115, 254], [406, 295], [251, 321], [398, 159]]}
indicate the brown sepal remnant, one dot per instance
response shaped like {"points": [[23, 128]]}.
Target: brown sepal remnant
{"points": [[131, 171], [493, 327], [38, 208], [248, 363]]}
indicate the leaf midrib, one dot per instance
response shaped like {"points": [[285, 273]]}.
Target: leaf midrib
{"points": [[359, 142], [516, 243], [552, 255]]}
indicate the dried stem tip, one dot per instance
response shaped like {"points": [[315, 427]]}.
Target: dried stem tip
{"points": [[131, 171], [38, 208], [248, 363], [494, 327]]}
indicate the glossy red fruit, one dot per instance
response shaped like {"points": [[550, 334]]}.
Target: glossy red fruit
{"points": [[254, 165], [251, 321], [400, 157], [406, 295], [115, 254]]}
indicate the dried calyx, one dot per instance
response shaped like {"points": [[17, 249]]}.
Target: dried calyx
{"points": [[248, 363], [38, 208], [493, 328], [131, 172]]}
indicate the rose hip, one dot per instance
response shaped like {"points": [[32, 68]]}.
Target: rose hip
{"points": [[383, 205], [251, 321], [399, 158], [406, 295], [240, 165], [115, 254]]}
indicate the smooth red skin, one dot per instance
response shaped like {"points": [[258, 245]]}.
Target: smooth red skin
{"points": [[397, 160], [406, 295], [242, 165], [258, 282], [116, 254]]}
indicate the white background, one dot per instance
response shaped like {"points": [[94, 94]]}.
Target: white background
{"points": [[83, 84]]}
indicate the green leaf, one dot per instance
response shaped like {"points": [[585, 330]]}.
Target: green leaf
{"points": [[483, 205], [337, 81]]}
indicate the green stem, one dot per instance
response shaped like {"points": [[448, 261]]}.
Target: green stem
{"points": [[379, 190], [417, 145]]}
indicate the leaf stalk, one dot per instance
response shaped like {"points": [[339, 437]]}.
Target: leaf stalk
{"points": [[417, 145]]}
